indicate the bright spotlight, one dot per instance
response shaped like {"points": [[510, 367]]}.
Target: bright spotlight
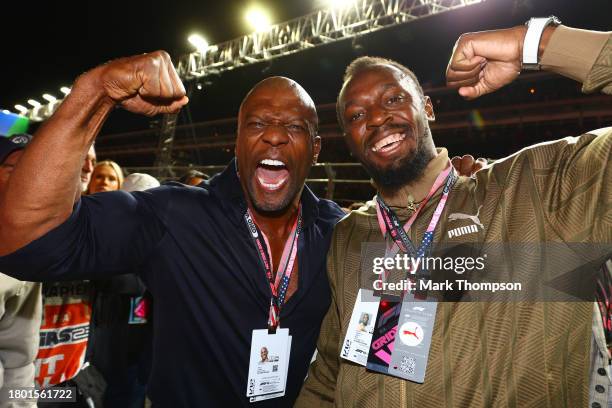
{"points": [[65, 90], [198, 42], [258, 19], [49, 98], [34, 103], [339, 4], [22, 109]]}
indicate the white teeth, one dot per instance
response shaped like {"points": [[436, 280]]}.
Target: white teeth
{"points": [[270, 162], [395, 137], [273, 186]]}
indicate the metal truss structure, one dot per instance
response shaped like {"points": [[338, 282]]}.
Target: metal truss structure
{"points": [[321, 27], [318, 28], [163, 158]]}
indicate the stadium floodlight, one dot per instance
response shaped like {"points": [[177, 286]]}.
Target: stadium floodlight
{"points": [[49, 98], [322, 26], [258, 19], [34, 103], [198, 42], [22, 109], [329, 24]]}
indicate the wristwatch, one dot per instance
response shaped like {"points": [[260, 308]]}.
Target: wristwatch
{"points": [[535, 28]]}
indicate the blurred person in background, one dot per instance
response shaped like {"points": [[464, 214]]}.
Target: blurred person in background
{"points": [[88, 166], [193, 178], [106, 176], [62, 359], [122, 328], [20, 302]]}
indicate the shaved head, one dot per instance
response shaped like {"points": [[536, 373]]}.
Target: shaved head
{"points": [[280, 83], [276, 144]]}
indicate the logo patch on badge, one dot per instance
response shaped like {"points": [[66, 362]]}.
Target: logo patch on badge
{"points": [[411, 334]]}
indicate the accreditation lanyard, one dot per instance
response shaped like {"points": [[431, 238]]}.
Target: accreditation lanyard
{"points": [[280, 283], [389, 223]]}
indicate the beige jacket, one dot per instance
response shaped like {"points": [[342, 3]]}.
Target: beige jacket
{"points": [[496, 354], [20, 317]]}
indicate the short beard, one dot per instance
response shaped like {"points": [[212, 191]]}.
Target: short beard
{"points": [[405, 171], [271, 210]]}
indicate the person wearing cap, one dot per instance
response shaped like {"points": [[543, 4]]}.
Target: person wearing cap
{"points": [[139, 182], [20, 304]]}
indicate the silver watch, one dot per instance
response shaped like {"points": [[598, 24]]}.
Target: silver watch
{"points": [[531, 44]]}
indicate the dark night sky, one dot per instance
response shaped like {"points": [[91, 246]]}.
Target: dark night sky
{"points": [[46, 45]]}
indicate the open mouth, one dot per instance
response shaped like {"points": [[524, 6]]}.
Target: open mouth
{"points": [[388, 143], [271, 174]]}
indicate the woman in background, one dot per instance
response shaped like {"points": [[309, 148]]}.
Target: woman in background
{"points": [[107, 176]]}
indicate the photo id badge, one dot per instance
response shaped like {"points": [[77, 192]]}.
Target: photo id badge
{"points": [[269, 361], [413, 338], [356, 345], [276, 394]]}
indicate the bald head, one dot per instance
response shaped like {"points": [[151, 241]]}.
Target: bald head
{"points": [[277, 89], [277, 123]]}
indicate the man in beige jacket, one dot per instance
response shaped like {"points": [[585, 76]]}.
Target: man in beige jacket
{"points": [[483, 354]]}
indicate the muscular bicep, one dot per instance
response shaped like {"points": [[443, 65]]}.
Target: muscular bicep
{"points": [[106, 234]]}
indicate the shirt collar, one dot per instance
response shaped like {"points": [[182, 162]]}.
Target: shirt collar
{"points": [[226, 185]]}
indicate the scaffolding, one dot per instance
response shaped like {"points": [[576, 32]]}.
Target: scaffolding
{"points": [[321, 27], [318, 28]]}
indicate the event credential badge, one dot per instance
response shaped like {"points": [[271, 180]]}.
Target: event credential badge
{"points": [[413, 338], [269, 361], [356, 345]]}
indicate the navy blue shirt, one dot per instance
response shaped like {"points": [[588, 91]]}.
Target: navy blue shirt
{"points": [[192, 248]]}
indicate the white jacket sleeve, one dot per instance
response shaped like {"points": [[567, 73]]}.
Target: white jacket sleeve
{"points": [[20, 319]]}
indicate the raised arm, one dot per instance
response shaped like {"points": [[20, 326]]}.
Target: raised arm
{"points": [[483, 62], [33, 205], [572, 177]]}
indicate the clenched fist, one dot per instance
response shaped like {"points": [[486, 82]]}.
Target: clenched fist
{"points": [[485, 61], [147, 84], [466, 165]]}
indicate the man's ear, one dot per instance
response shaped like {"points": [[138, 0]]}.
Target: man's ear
{"points": [[429, 111], [316, 149]]}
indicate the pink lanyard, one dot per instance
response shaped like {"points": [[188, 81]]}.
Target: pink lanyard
{"points": [[388, 222], [280, 284]]}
